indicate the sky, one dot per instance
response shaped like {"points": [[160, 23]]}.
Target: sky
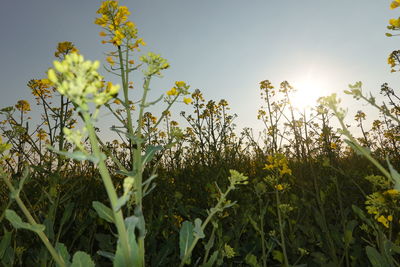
{"points": [[223, 47]]}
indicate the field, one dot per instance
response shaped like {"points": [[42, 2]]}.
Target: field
{"points": [[191, 189]]}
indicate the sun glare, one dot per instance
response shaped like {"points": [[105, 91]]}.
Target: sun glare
{"points": [[307, 93]]}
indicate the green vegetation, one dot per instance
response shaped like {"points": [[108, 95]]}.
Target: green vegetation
{"points": [[303, 194]]}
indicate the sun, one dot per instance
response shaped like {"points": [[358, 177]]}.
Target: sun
{"points": [[307, 93]]}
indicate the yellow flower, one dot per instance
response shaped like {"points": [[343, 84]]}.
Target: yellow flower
{"points": [[173, 91], [103, 34], [65, 48], [131, 62], [394, 22], [110, 60], [118, 37], [384, 221], [41, 134], [102, 21], [392, 192], [390, 218], [333, 145], [394, 4], [187, 100], [279, 187], [180, 84], [117, 101], [285, 170], [23, 106]]}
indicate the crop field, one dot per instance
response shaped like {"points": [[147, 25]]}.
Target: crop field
{"points": [[315, 187]]}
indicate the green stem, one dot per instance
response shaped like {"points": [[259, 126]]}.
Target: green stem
{"points": [[283, 246], [112, 195], [205, 223], [31, 220]]}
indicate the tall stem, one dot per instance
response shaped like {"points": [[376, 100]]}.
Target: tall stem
{"points": [[283, 246], [112, 195]]}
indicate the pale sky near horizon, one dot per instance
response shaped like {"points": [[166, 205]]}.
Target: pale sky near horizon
{"points": [[223, 47]]}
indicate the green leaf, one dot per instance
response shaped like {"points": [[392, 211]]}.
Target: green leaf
{"points": [[362, 216], [106, 254], [103, 211], [254, 224], [277, 255], [150, 151], [78, 155], [197, 231], [119, 260], [211, 261], [5, 243], [185, 238], [25, 175], [252, 260], [63, 252], [395, 175], [375, 258], [122, 201], [348, 233], [17, 222], [67, 213], [81, 259]]}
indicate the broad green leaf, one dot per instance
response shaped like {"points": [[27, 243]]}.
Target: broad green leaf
{"points": [[63, 252], [17, 222], [119, 260], [103, 211], [5, 243], [185, 238], [81, 259], [197, 231], [375, 258]]}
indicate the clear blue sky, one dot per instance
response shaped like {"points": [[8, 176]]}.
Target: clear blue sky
{"points": [[223, 47]]}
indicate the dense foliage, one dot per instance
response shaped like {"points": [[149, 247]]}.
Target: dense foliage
{"points": [[301, 193]]}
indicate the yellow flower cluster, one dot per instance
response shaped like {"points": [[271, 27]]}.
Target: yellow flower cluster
{"points": [[79, 81], [279, 187], [382, 205], [278, 163], [385, 221], [115, 24], [41, 134], [180, 88], [40, 88], [23, 106], [65, 48], [394, 22], [395, 4]]}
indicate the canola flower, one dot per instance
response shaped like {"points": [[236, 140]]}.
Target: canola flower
{"points": [[279, 164], [395, 4], [116, 27], [23, 106], [79, 81]]}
